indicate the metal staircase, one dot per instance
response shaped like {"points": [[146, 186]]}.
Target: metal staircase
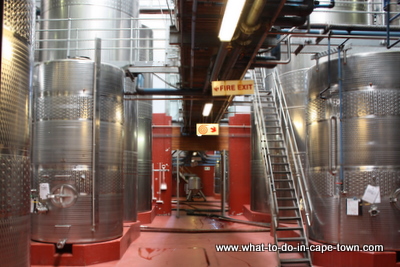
{"points": [[278, 149]]}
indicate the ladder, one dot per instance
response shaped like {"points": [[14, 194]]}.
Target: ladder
{"points": [[286, 219]]}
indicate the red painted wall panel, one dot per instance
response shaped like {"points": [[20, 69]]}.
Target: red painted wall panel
{"points": [[239, 162], [162, 140]]}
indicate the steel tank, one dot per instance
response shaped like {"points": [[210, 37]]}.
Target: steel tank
{"points": [[145, 109], [352, 144], [70, 28], [259, 195], [347, 12], [16, 72], [77, 155], [145, 120], [130, 152]]}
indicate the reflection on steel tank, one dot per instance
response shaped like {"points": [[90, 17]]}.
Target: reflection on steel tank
{"points": [[353, 144], [77, 155], [16, 70]]}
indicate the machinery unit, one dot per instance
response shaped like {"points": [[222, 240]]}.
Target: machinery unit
{"points": [[352, 147], [78, 149], [16, 73]]}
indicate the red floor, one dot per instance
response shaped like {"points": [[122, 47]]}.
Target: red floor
{"points": [[195, 244]]}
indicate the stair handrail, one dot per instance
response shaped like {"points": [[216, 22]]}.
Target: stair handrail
{"points": [[265, 153], [300, 176]]}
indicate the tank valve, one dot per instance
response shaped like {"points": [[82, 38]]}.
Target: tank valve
{"points": [[373, 211], [60, 244]]}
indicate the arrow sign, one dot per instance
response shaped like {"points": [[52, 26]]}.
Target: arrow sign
{"points": [[207, 129]]}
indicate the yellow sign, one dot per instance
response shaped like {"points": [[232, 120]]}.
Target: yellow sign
{"points": [[234, 87], [207, 129]]}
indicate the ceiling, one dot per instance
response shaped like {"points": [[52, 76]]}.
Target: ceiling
{"points": [[204, 58]]}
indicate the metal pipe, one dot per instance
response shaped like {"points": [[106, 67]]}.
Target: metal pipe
{"points": [[167, 91], [219, 61], [251, 24], [274, 62], [95, 127], [330, 5], [192, 45], [223, 183], [296, 9], [177, 184], [329, 71], [340, 82]]}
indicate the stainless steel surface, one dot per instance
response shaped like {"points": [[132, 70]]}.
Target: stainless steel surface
{"points": [[16, 70], [62, 150], [145, 109], [259, 196], [345, 12], [145, 119], [71, 27], [194, 183], [130, 156], [363, 145]]}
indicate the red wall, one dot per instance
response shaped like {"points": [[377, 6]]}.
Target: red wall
{"points": [[239, 163], [162, 154]]}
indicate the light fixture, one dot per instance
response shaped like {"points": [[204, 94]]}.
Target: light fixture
{"points": [[207, 109], [230, 20]]}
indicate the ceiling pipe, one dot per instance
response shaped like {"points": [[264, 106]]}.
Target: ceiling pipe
{"points": [[167, 91], [251, 23], [193, 37], [216, 69]]}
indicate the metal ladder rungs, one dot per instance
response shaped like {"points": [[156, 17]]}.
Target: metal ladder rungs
{"points": [[284, 189], [294, 261], [283, 180], [289, 228], [281, 172], [288, 208], [289, 218], [285, 198], [289, 239]]}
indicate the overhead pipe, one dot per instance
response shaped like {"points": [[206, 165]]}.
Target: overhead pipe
{"points": [[251, 23], [290, 21], [330, 5], [264, 62], [192, 45], [138, 78], [294, 8]]}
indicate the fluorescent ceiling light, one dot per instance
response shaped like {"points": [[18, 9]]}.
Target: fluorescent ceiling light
{"points": [[207, 109], [230, 20]]}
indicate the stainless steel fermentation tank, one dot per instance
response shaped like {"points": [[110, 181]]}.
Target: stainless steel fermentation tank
{"points": [[353, 142], [71, 26], [77, 156], [16, 70], [130, 152], [145, 109]]}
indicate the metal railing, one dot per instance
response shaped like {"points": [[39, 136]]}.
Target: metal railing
{"points": [[265, 153], [73, 38], [292, 146]]}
